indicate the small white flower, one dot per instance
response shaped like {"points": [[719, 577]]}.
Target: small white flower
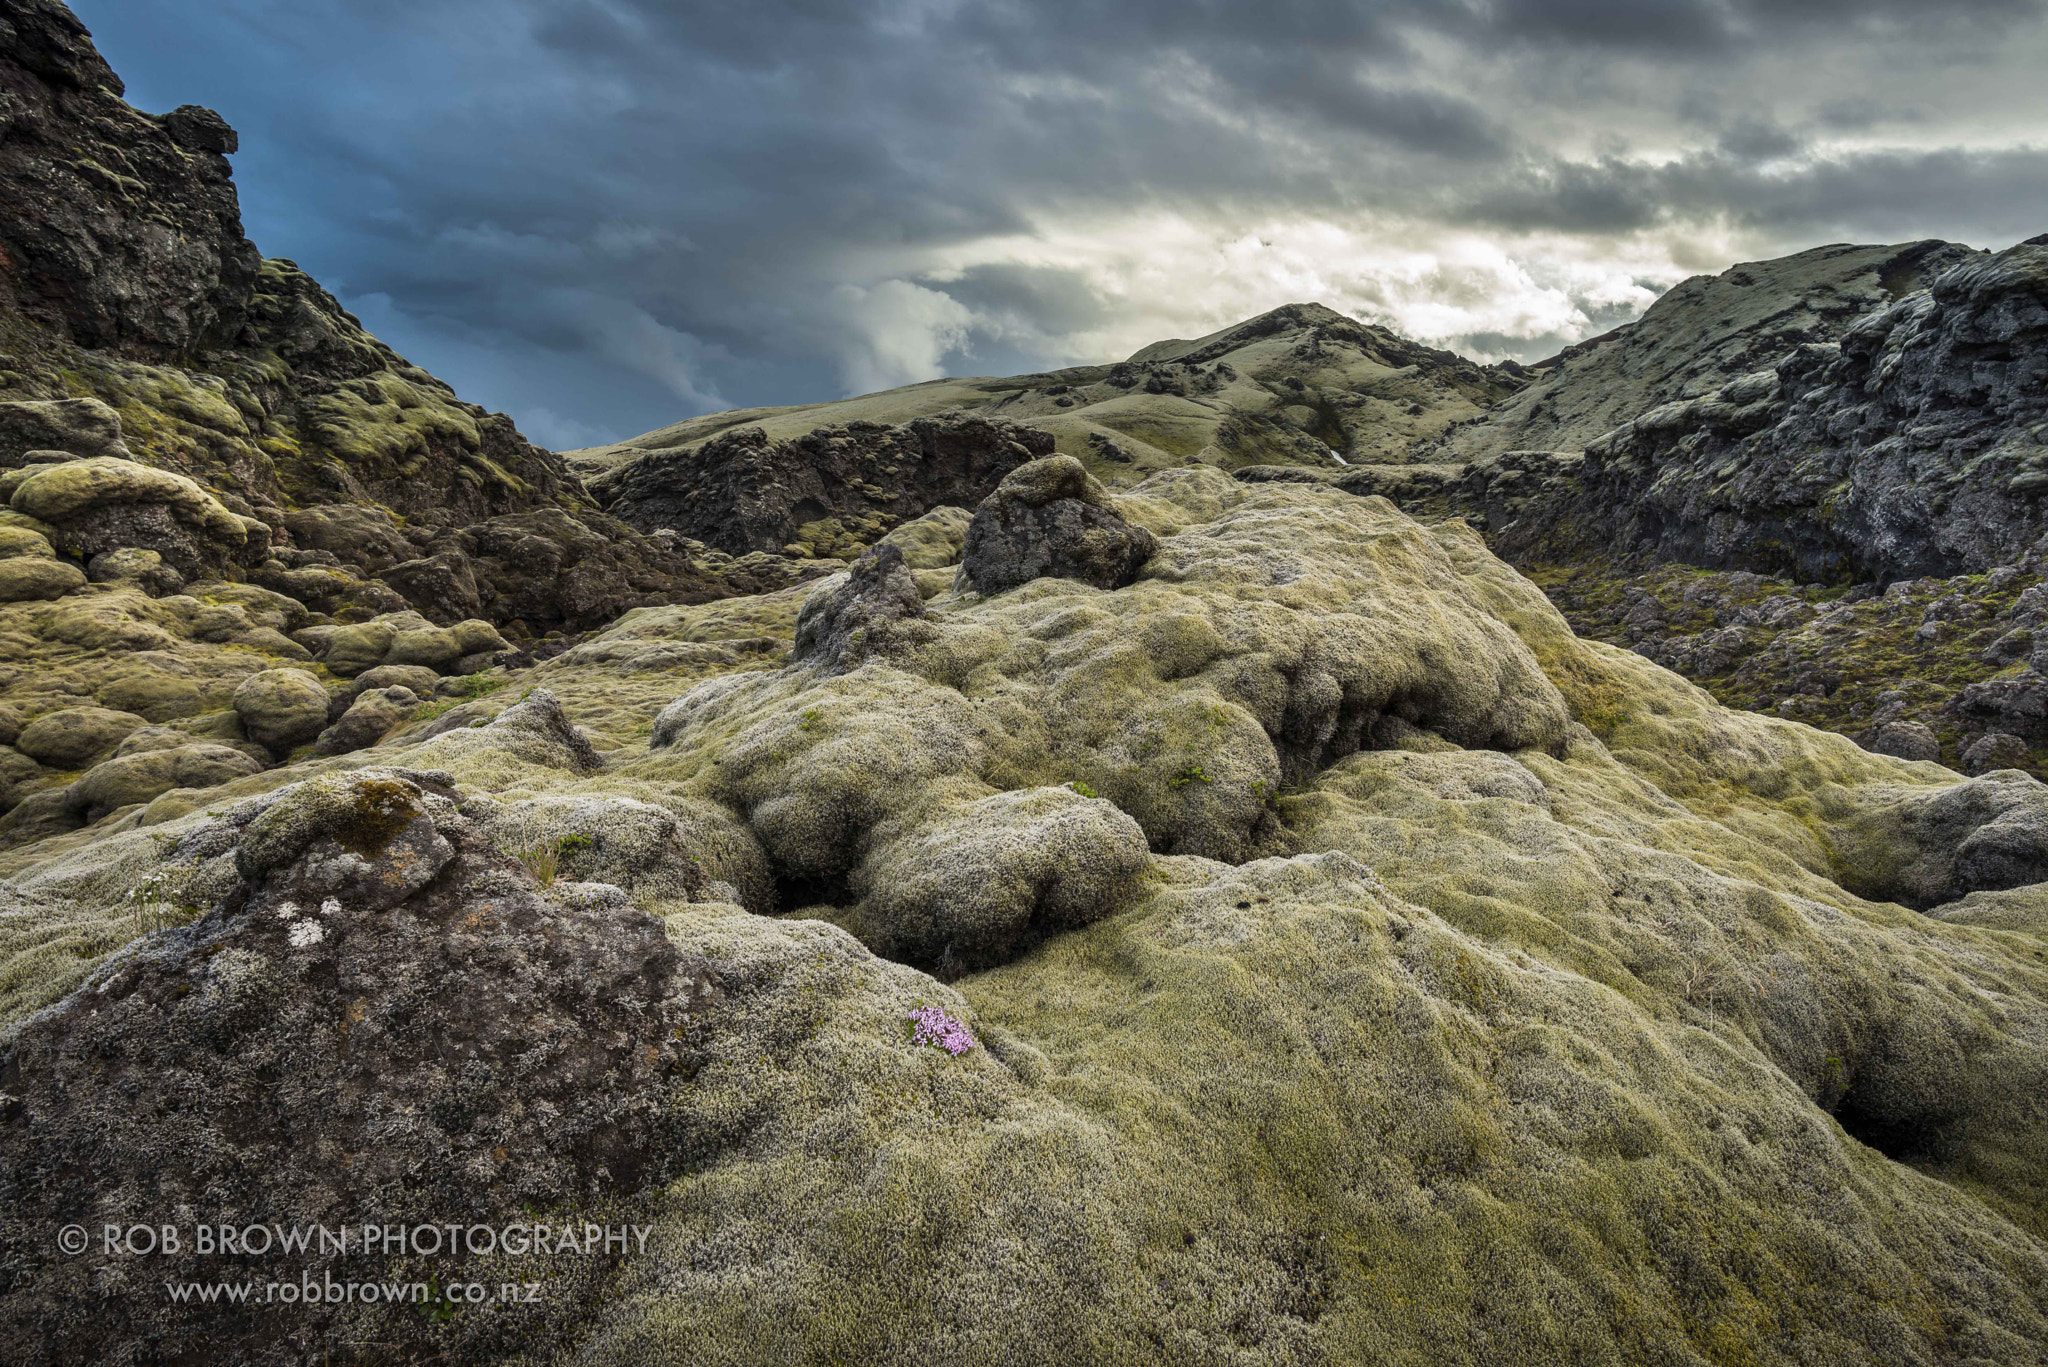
{"points": [[287, 910], [330, 907], [306, 934]]}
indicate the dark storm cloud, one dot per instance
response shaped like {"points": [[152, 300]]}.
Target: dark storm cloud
{"points": [[605, 214]]}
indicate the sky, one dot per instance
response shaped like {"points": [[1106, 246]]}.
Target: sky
{"points": [[603, 216]]}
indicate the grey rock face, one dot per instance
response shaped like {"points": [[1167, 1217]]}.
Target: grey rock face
{"points": [[742, 492], [1700, 335], [873, 612], [1051, 518], [1912, 447], [376, 1013]]}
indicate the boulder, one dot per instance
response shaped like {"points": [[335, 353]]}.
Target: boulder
{"points": [[367, 538], [1904, 740], [1051, 518], [980, 887], [144, 774], [106, 503], [933, 541], [400, 638], [134, 564], [83, 427], [26, 578], [415, 679], [22, 541], [533, 730], [281, 708], [370, 716], [188, 1067], [75, 737], [1998, 750], [872, 611], [441, 587]]}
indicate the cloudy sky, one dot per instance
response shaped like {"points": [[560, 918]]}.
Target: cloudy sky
{"points": [[604, 215]]}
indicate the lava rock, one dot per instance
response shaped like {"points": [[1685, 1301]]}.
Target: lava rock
{"points": [[1052, 518]]}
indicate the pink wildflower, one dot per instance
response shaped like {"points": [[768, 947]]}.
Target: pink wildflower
{"points": [[940, 1031]]}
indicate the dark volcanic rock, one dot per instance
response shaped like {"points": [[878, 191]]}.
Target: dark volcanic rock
{"points": [[1051, 518], [1913, 447], [119, 230], [742, 492], [378, 1017], [875, 612]]}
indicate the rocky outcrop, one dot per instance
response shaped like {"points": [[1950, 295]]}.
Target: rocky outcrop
{"points": [[1051, 518], [830, 491], [1699, 335], [1907, 449], [874, 613], [120, 231]]}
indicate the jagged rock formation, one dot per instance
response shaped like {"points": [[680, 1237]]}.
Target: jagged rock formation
{"points": [[1699, 335], [829, 493]]}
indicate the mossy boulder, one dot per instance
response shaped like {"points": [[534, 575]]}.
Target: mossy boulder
{"points": [[371, 715], [142, 775], [21, 541], [75, 737], [28, 577], [106, 503], [85, 427], [933, 541], [281, 708]]}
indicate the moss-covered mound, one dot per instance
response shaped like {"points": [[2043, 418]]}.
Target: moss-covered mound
{"points": [[1358, 967]]}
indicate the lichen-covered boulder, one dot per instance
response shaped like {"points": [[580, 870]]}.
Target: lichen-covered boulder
{"points": [[533, 730], [74, 737], [1051, 517], [374, 1013], [1997, 750], [106, 503], [26, 577], [872, 612], [142, 774], [1904, 740], [135, 564], [281, 708]]}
